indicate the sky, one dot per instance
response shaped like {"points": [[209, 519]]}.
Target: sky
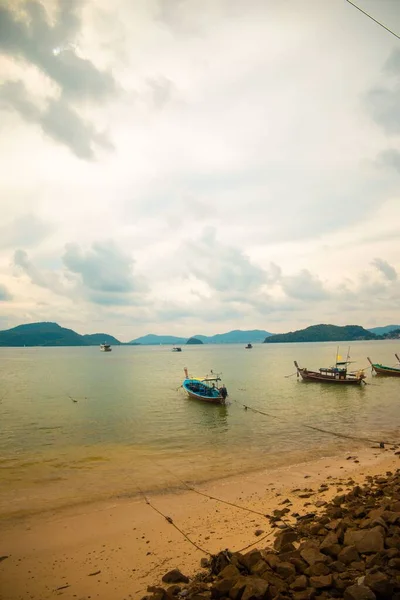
{"points": [[195, 166]]}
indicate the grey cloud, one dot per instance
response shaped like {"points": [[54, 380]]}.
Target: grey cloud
{"points": [[162, 90], [383, 102], [105, 271], [58, 120], [26, 230], [4, 293], [27, 34], [304, 286], [385, 268], [390, 158], [45, 279], [224, 268]]}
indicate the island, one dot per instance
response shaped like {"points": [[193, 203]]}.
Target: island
{"points": [[194, 340], [323, 333]]}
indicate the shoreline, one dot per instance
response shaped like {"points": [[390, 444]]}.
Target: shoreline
{"points": [[116, 548]]}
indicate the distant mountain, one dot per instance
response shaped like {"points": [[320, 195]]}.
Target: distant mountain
{"points": [[50, 334], [232, 337], [152, 340], [383, 330], [323, 333], [236, 336]]}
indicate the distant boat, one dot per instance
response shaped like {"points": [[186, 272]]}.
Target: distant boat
{"points": [[176, 349], [105, 347], [335, 374], [383, 370], [248, 347], [205, 389]]}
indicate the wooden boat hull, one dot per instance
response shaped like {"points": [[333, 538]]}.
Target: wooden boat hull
{"points": [[314, 376], [199, 391], [387, 371], [329, 376]]}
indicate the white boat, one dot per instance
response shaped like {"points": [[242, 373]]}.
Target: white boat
{"points": [[105, 347]]}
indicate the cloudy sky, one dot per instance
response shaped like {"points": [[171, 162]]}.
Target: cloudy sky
{"points": [[195, 166]]}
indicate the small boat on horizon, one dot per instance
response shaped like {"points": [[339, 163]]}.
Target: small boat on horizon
{"points": [[335, 374], [105, 347], [176, 349], [384, 370], [205, 389]]}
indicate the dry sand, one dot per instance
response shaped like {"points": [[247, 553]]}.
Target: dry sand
{"points": [[114, 550]]}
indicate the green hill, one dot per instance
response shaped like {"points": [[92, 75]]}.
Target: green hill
{"points": [[194, 340], [323, 333], [383, 330], [155, 340], [50, 334]]}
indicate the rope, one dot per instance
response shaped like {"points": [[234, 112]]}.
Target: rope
{"points": [[171, 522], [373, 19], [334, 433]]}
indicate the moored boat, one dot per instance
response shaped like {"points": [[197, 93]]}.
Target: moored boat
{"points": [[248, 347], [384, 370], [335, 374], [206, 388], [105, 347], [176, 349]]}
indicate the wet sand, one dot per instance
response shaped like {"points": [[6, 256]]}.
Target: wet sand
{"points": [[114, 550]]}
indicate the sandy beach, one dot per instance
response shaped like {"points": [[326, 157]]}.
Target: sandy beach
{"points": [[114, 550]]}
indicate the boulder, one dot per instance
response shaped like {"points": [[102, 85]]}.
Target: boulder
{"points": [[358, 592], [175, 576], [366, 541], [321, 581], [312, 556], [256, 589], [348, 555]]}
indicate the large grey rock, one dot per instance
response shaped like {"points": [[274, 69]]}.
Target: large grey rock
{"points": [[256, 589], [366, 541], [312, 556], [359, 592], [175, 576], [321, 581]]}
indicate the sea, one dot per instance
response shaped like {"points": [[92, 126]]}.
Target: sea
{"points": [[79, 426]]}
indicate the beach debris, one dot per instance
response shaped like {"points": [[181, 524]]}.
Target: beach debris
{"points": [[4, 557], [258, 532], [351, 550], [95, 573]]}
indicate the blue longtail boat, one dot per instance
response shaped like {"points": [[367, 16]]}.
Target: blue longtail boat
{"points": [[205, 389]]}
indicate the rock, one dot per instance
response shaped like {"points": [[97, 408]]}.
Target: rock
{"points": [[221, 588], [307, 594], [312, 556], [320, 503], [256, 589], [299, 584], [173, 590], [366, 541], [359, 592], [258, 532], [229, 572], [380, 584], [175, 576], [286, 570], [321, 581], [236, 591], [204, 563], [284, 539], [318, 569], [348, 554]]}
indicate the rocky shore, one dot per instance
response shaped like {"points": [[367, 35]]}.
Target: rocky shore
{"points": [[350, 550]]}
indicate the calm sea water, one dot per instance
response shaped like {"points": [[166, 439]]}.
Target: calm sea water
{"points": [[133, 428]]}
